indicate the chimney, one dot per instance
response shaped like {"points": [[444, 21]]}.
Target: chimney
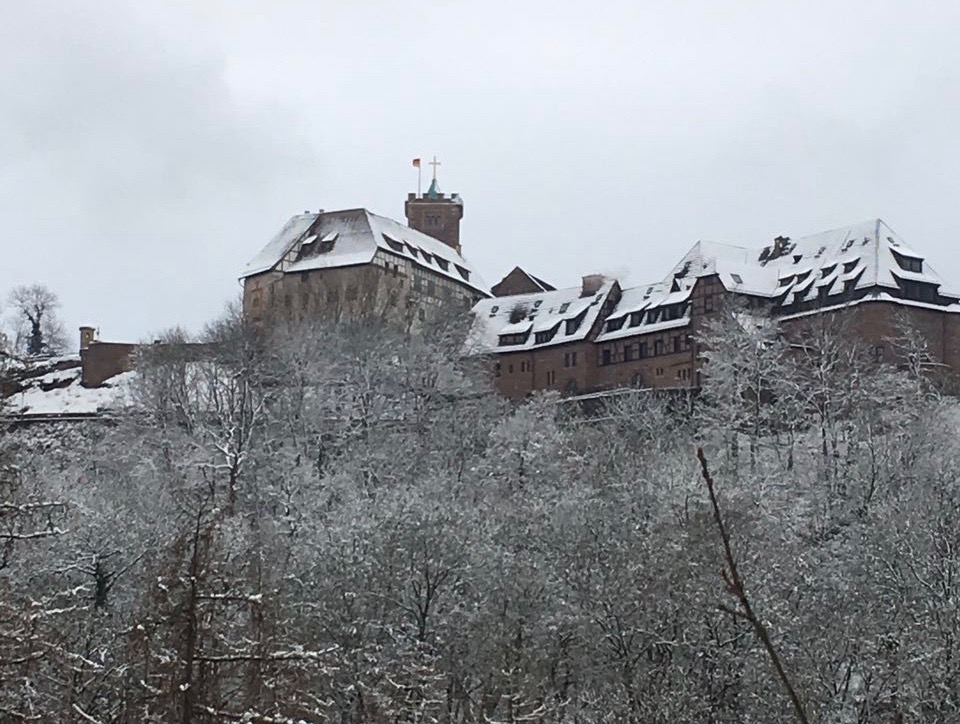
{"points": [[591, 284], [87, 337]]}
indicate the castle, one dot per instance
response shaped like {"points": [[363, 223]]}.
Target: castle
{"points": [[599, 335], [353, 264]]}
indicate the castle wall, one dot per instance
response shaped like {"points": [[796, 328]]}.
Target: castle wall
{"points": [[102, 360], [391, 290]]}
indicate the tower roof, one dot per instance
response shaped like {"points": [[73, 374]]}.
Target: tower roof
{"points": [[434, 191]]}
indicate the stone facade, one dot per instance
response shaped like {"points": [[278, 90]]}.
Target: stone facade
{"points": [[436, 215], [348, 265], [863, 281], [99, 361]]}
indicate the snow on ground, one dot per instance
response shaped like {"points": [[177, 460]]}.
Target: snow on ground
{"points": [[65, 396]]}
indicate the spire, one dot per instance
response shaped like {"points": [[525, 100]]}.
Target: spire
{"points": [[434, 191]]}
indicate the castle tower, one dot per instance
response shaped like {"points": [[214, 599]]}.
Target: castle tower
{"points": [[436, 214]]}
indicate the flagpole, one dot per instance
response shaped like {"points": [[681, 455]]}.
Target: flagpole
{"points": [[419, 195]]}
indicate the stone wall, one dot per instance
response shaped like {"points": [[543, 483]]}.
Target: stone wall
{"points": [[102, 360]]}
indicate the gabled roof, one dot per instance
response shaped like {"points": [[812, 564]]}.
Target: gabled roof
{"points": [[797, 269], [528, 314], [350, 237], [522, 281]]}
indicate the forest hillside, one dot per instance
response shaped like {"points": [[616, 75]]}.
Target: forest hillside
{"points": [[345, 525]]}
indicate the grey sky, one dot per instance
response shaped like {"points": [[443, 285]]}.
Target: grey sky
{"points": [[148, 150]]}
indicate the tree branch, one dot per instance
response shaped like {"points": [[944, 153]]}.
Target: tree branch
{"points": [[731, 576]]}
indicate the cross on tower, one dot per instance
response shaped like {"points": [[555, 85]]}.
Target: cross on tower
{"points": [[434, 163]]}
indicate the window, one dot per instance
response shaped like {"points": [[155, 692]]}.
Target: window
{"points": [[605, 356], [919, 291], [570, 359], [629, 352], [708, 303], [496, 370], [551, 377], [464, 272], [850, 266], [827, 271], [546, 335], [674, 311], [510, 369], [876, 352], [658, 348], [909, 263], [574, 324], [658, 372], [635, 318], [737, 279], [564, 307], [642, 350], [614, 324], [325, 246], [507, 340], [676, 344]]}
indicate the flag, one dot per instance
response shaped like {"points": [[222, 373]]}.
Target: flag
{"points": [[416, 163]]}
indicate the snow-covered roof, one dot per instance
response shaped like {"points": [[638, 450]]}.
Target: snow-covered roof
{"points": [[347, 238], [864, 253], [545, 312]]}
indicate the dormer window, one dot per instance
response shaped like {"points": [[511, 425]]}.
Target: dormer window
{"points": [[547, 335], [918, 290], [785, 281], [572, 325], [908, 263], [827, 271], [464, 272], [636, 318], [325, 245], [737, 279], [614, 324], [507, 340], [850, 266], [393, 243]]}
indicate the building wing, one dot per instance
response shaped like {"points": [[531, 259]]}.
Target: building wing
{"points": [[334, 239]]}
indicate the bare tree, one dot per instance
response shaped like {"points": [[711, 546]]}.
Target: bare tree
{"points": [[37, 327]]}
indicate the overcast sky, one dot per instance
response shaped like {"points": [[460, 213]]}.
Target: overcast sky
{"points": [[148, 150]]}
